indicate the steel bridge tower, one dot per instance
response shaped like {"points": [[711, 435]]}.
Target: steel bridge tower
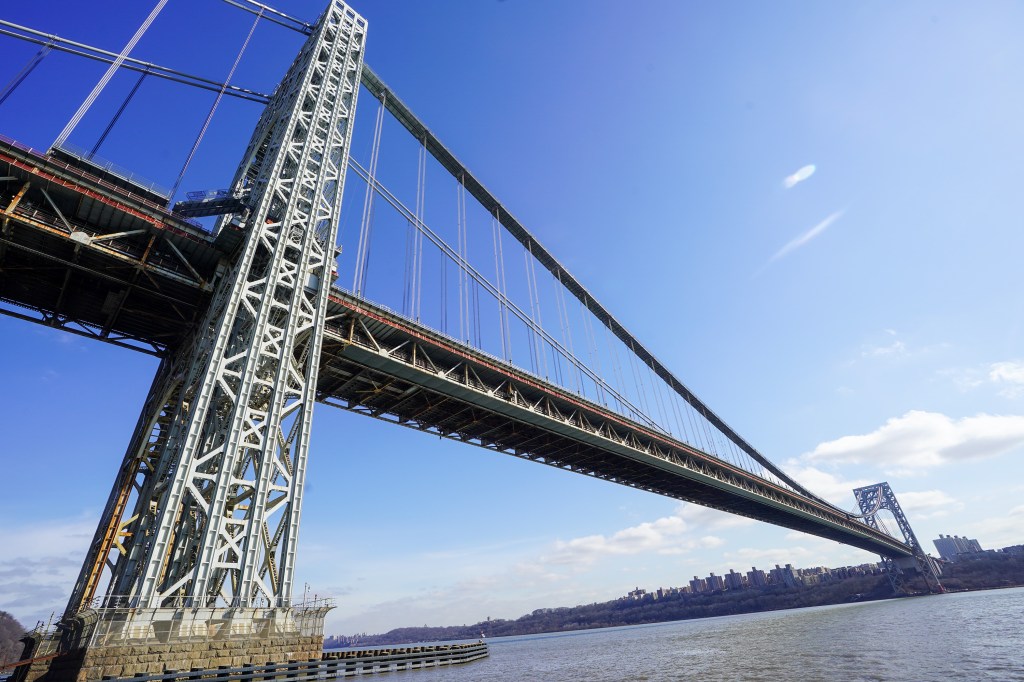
{"points": [[874, 498], [205, 508]]}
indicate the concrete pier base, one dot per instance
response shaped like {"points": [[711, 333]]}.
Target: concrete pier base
{"points": [[126, 642]]}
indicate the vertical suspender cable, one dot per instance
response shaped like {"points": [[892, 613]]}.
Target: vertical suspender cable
{"points": [[638, 379], [460, 224], [213, 109], [444, 292], [114, 66], [695, 425], [117, 116], [680, 422], [476, 314], [533, 314], [363, 251], [563, 318], [656, 385], [532, 274], [410, 238], [595, 355], [616, 364], [421, 185], [23, 74], [501, 288]]}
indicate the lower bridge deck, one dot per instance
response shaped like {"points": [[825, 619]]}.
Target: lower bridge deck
{"points": [[377, 363]]}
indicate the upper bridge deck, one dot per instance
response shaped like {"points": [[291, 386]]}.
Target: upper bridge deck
{"points": [[94, 257]]}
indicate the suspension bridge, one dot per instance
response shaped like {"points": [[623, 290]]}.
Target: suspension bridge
{"points": [[462, 325]]}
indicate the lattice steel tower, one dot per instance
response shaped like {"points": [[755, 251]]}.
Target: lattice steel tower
{"points": [[874, 498], [205, 509]]}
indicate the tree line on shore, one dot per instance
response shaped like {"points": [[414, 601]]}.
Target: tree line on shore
{"points": [[981, 573], [10, 635]]}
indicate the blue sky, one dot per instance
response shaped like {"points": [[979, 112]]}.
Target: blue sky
{"points": [[861, 324]]}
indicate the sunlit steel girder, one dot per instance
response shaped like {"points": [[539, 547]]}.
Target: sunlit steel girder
{"points": [[383, 365], [874, 498], [206, 507]]}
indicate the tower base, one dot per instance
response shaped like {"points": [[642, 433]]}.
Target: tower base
{"points": [[125, 642]]}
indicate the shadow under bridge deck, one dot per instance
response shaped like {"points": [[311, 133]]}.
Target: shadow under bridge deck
{"points": [[378, 363]]}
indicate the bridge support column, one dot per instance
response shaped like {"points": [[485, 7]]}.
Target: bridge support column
{"points": [[205, 510], [874, 498]]}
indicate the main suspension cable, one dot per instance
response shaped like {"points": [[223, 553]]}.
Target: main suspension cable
{"points": [[96, 54]]}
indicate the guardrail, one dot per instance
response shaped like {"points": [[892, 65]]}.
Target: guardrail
{"points": [[333, 665]]}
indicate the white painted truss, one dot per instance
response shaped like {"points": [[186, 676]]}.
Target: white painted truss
{"points": [[217, 464]]}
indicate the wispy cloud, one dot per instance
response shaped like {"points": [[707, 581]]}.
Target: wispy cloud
{"points": [[803, 239], [807, 236], [895, 348], [1009, 374], [796, 178]]}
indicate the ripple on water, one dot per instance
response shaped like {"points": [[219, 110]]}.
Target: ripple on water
{"points": [[967, 636]]}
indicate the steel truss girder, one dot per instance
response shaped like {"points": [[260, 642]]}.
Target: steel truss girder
{"points": [[368, 346], [873, 498], [217, 480]]}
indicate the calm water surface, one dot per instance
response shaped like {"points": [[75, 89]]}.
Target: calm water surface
{"points": [[966, 636]]}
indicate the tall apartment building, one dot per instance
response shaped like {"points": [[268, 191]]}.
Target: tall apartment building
{"points": [[950, 548], [715, 582], [756, 577]]}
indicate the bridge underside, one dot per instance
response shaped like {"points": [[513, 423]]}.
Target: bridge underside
{"points": [[379, 364], [84, 252]]}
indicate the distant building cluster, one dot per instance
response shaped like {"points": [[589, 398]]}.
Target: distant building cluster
{"points": [[955, 548], [780, 576], [950, 548]]}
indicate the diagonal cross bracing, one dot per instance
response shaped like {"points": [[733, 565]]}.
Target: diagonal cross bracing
{"points": [[216, 513]]}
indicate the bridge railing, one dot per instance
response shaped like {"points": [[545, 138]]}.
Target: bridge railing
{"points": [[149, 203]]}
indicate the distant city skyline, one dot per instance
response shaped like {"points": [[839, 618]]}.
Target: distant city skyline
{"points": [[809, 212]]}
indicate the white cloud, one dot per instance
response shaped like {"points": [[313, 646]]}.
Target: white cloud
{"points": [[559, 573], [999, 531], [668, 535], [1010, 374], [829, 486], [799, 176], [806, 237], [928, 504], [920, 440], [40, 563]]}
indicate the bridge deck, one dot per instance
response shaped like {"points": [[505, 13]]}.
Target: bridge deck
{"points": [[82, 254], [380, 364]]}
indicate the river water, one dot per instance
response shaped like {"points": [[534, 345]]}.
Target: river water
{"points": [[964, 636]]}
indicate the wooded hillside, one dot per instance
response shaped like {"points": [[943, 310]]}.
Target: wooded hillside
{"points": [[10, 632]]}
